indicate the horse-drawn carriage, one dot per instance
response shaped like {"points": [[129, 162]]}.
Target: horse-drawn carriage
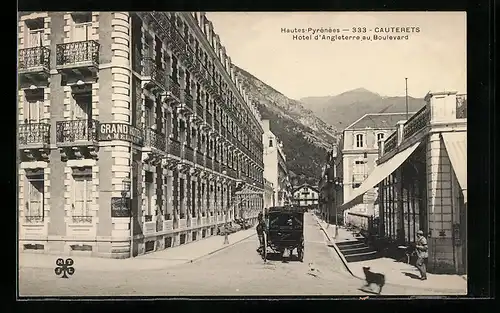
{"points": [[285, 231]]}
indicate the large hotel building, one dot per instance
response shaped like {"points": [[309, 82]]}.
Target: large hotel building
{"points": [[135, 134]]}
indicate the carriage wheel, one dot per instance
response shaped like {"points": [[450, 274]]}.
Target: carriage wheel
{"points": [[264, 248]]}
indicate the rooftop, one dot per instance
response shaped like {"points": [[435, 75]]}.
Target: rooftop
{"points": [[315, 188], [378, 120]]}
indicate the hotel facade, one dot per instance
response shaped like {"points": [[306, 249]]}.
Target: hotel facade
{"points": [[421, 175], [134, 134]]}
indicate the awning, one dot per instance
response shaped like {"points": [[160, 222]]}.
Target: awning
{"points": [[378, 174], [456, 146]]}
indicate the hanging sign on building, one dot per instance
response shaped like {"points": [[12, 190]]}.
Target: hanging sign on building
{"points": [[120, 207], [120, 131]]}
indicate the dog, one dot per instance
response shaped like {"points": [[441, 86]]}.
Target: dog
{"points": [[374, 278]]}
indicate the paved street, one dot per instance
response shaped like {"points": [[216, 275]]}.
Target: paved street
{"points": [[235, 271]]}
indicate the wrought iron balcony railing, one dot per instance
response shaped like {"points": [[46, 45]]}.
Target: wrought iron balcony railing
{"points": [[174, 88], [35, 133], [151, 69], [33, 219], [155, 140], [76, 130], [418, 121], [32, 58], [199, 110], [391, 142], [190, 58], [175, 147], [74, 53]]}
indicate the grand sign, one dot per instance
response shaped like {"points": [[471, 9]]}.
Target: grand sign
{"points": [[120, 131]]}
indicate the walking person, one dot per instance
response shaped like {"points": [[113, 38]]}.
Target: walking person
{"points": [[422, 254]]}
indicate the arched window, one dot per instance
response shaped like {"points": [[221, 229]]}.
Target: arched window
{"points": [[270, 142], [359, 141]]}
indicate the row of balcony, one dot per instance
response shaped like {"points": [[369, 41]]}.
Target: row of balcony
{"points": [[86, 132], [185, 51], [74, 132], [34, 63]]}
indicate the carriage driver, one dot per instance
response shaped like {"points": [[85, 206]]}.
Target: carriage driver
{"points": [[261, 228]]}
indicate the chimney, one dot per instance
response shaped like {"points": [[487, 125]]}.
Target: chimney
{"points": [[399, 129]]}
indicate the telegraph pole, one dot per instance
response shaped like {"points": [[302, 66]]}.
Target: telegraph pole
{"points": [[406, 97]]}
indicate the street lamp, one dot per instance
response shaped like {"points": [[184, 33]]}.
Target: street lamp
{"points": [[337, 185], [126, 205]]}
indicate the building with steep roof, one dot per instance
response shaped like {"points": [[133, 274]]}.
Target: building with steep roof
{"points": [[356, 155], [305, 195]]}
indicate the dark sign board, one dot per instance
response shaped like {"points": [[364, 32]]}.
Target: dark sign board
{"points": [[120, 207], [120, 131]]}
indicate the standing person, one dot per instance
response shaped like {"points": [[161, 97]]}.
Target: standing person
{"points": [[261, 228], [422, 254]]}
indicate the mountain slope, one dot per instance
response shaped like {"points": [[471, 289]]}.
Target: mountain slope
{"points": [[345, 108], [305, 137]]}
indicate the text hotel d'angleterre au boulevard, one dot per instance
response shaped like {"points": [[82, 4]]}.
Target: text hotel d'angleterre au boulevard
{"points": [[353, 33]]}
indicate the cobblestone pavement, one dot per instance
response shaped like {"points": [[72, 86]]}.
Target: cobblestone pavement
{"points": [[235, 271]]}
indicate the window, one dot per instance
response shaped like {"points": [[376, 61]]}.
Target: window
{"points": [[380, 137], [33, 107], [82, 108], [149, 114], [188, 82], [355, 185], [35, 38], [35, 29], [34, 201], [270, 142], [181, 196], [148, 46], [82, 192], [82, 29], [174, 69], [158, 53], [359, 141], [149, 194], [168, 209]]}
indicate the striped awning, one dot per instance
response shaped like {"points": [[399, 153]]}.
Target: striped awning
{"points": [[456, 146]]}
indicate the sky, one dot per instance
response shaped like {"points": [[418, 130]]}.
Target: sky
{"points": [[434, 59]]}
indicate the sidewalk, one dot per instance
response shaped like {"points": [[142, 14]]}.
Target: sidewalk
{"points": [[190, 252], [396, 273]]}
